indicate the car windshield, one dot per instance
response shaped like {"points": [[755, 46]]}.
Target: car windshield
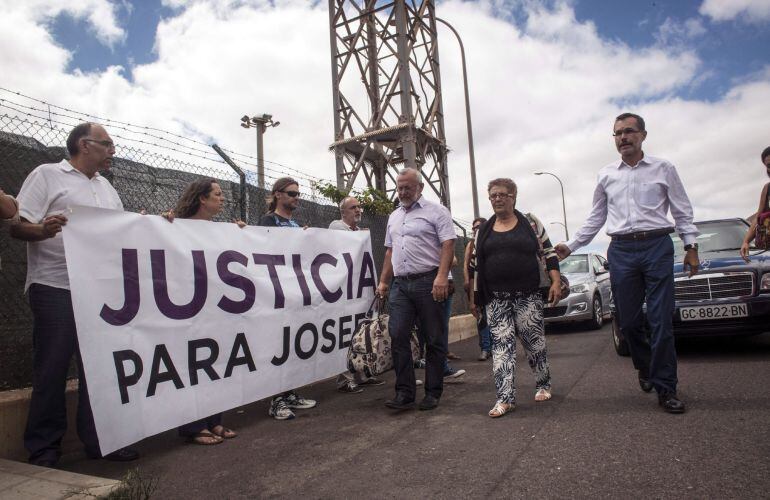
{"points": [[574, 264], [715, 236]]}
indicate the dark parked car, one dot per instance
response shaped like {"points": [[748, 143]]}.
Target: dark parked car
{"points": [[590, 296], [728, 296]]}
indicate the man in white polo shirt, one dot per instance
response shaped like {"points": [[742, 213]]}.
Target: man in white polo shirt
{"points": [[44, 200]]}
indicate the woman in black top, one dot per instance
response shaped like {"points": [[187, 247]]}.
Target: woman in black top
{"points": [[508, 285]]}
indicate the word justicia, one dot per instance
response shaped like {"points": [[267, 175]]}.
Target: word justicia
{"points": [[236, 270]]}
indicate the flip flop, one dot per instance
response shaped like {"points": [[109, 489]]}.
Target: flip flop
{"points": [[204, 438], [542, 395], [224, 433], [500, 409]]}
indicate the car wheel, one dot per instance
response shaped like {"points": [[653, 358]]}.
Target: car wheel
{"points": [[621, 346], [597, 320]]}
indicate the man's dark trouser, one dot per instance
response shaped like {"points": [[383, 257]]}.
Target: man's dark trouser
{"points": [[639, 268], [55, 341], [412, 300]]}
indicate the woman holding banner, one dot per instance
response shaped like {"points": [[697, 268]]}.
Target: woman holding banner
{"points": [[203, 200]]}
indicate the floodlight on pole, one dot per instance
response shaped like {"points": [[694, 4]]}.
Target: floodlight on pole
{"points": [[261, 123]]}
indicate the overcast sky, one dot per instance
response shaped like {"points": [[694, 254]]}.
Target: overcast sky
{"points": [[546, 80]]}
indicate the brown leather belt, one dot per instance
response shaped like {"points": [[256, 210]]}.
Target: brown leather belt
{"points": [[642, 235]]}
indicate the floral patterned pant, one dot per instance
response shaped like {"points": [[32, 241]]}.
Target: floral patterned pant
{"points": [[510, 315]]}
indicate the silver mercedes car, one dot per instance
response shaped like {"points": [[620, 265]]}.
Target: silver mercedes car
{"points": [[590, 295]]}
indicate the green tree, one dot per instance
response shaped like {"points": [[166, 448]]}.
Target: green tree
{"points": [[372, 200]]}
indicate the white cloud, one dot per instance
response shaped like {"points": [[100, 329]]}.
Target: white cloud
{"points": [[100, 15], [673, 33], [543, 94], [752, 11]]}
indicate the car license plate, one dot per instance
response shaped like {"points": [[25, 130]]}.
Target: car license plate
{"points": [[700, 313]]}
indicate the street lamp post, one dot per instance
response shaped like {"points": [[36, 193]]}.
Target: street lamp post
{"points": [[562, 225], [260, 123], [467, 119], [563, 203]]}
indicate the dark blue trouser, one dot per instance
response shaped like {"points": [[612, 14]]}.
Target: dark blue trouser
{"points": [[640, 269], [411, 300], [54, 340], [447, 307]]}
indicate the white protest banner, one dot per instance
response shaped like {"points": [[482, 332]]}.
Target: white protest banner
{"points": [[179, 321]]}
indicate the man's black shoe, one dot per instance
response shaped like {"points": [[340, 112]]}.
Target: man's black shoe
{"points": [[670, 402], [400, 403], [121, 455], [644, 383], [428, 403]]}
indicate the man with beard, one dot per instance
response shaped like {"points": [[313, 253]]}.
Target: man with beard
{"points": [[46, 195], [350, 213], [633, 196], [419, 242], [283, 201]]}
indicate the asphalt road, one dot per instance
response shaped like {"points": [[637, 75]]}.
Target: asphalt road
{"points": [[600, 435]]}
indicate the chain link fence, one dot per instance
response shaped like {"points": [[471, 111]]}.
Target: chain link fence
{"points": [[150, 176]]}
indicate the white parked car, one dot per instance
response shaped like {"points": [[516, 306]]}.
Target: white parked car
{"points": [[590, 295]]}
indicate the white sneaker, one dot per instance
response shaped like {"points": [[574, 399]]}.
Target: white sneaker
{"points": [[452, 373], [279, 410], [294, 400]]}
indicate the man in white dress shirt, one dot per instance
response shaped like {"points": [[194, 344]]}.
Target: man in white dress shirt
{"points": [[44, 200], [633, 196]]}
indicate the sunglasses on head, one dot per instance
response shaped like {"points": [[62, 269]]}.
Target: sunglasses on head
{"points": [[293, 194]]}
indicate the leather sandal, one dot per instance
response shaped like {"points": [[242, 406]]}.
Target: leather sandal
{"points": [[500, 409], [224, 432], [542, 395], [204, 438]]}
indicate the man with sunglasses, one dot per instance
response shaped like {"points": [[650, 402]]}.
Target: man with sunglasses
{"points": [[282, 202], [469, 271], [350, 218], [44, 199], [633, 196]]}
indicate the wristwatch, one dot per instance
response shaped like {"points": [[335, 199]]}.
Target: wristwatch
{"points": [[691, 246]]}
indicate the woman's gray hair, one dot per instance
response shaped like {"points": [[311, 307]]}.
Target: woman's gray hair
{"points": [[503, 182]]}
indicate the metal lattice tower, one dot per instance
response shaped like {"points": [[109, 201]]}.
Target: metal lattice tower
{"points": [[387, 93]]}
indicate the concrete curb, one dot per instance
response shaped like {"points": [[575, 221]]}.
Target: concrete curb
{"points": [[14, 406], [22, 481]]}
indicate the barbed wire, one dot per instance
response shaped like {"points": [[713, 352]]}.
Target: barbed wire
{"points": [[203, 152], [162, 143]]}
